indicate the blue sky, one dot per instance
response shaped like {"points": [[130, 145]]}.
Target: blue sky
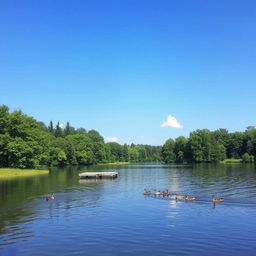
{"points": [[122, 67]]}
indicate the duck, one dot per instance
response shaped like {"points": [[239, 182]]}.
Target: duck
{"points": [[166, 193], [146, 192], [157, 193], [190, 198], [216, 199], [179, 196], [51, 197]]}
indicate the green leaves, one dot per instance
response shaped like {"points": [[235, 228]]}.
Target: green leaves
{"points": [[208, 147]]}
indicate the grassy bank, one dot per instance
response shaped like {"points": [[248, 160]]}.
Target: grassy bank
{"points": [[231, 161], [9, 172]]}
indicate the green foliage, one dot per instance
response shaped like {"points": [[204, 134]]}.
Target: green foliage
{"points": [[168, 151], [50, 127], [58, 131], [246, 158], [134, 154], [116, 150], [250, 135], [232, 161], [209, 147], [237, 145], [217, 153], [95, 136], [83, 148], [61, 157]]}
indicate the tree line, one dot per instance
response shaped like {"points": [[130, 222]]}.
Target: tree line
{"points": [[28, 143], [204, 146]]}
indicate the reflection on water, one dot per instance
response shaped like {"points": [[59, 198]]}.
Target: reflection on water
{"points": [[112, 217]]}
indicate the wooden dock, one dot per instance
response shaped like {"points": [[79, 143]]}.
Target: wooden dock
{"points": [[98, 175]]}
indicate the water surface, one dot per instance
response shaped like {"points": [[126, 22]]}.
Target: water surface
{"points": [[112, 217]]}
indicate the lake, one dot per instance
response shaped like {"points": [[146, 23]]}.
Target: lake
{"points": [[113, 217]]}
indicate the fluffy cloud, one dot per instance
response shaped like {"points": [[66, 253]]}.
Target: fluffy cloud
{"points": [[62, 126], [171, 122], [111, 139]]}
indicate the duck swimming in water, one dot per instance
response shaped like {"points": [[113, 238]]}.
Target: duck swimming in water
{"points": [[166, 193], [51, 197], [179, 196], [190, 198], [157, 193], [146, 192], [216, 199]]}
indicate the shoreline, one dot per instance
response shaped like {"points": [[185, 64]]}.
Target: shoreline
{"points": [[13, 172], [114, 163]]}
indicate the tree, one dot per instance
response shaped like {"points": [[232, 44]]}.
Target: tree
{"points": [[61, 157], [23, 154], [83, 147], [95, 136], [246, 158], [125, 153], [81, 131], [168, 151], [99, 152], [67, 129], [133, 154], [251, 141], [237, 145], [50, 127], [217, 153], [199, 143], [116, 151], [180, 149], [68, 148], [180, 157], [4, 119], [4, 159], [58, 130]]}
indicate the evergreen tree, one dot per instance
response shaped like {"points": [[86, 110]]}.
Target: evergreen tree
{"points": [[50, 127], [67, 129], [58, 130]]}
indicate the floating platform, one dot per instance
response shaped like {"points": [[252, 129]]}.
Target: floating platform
{"points": [[98, 175]]}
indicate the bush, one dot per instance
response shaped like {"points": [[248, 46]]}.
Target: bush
{"points": [[246, 158]]}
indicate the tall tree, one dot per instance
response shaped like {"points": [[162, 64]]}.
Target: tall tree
{"points": [[50, 127], [58, 130], [67, 129], [168, 151]]}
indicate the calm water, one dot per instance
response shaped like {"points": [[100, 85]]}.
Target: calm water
{"points": [[114, 218]]}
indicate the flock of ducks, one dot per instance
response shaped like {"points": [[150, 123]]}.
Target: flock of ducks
{"points": [[176, 196], [164, 193]]}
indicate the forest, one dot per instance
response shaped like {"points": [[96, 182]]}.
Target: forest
{"points": [[28, 143], [204, 146]]}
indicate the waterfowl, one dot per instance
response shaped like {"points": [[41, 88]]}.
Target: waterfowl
{"points": [[146, 192], [216, 199], [51, 197], [190, 198], [166, 193], [157, 193], [179, 196]]}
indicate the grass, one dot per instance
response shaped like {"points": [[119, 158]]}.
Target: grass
{"points": [[10, 173], [231, 161]]}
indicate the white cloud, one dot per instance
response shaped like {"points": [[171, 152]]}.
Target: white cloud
{"points": [[111, 139], [171, 122], [62, 126]]}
